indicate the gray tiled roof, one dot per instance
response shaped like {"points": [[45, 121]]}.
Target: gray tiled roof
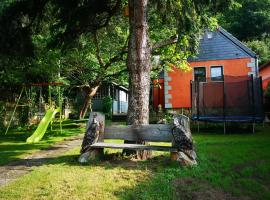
{"points": [[221, 45]]}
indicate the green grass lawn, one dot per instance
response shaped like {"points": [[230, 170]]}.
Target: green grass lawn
{"points": [[233, 166], [13, 146]]}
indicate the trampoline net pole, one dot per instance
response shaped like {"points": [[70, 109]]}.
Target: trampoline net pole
{"points": [[224, 101], [198, 100], [261, 98], [253, 101]]}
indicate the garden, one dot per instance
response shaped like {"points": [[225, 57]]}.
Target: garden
{"points": [[134, 99], [233, 166]]}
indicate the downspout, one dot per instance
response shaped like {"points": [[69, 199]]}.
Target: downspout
{"points": [[256, 66]]}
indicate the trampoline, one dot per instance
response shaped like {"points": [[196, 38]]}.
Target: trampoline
{"points": [[236, 99]]}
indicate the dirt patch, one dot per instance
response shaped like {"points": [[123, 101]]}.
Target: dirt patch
{"points": [[239, 167], [194, 189]]}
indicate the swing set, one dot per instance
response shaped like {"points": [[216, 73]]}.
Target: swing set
{"points": [[50, 109]]}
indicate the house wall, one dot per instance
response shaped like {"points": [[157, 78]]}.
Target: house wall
{"points": [[158, 93], [265, 74], [177, 82]]}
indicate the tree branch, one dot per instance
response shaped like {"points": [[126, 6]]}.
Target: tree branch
{"points": [[116, 58], [101, 63], [165, 42], [116, 74], [119, 56]]}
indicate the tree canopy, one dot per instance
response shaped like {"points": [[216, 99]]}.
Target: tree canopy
{"points": [[249, 21]]}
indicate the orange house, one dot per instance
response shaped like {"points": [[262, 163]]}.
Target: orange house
{"points": [[265, 74], [220, 57]]}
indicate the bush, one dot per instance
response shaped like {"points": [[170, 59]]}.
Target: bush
{"points": [[2, 113], [107, 106]]}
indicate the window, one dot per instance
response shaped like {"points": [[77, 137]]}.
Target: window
{"points": [[123, 96], [116, 94], [209, 35], [217, 73], [101, 92], [200, 74]]}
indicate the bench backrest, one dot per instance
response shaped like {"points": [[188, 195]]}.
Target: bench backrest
{"points": [[150, 133]]}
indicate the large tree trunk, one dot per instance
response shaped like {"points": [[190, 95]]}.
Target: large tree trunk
{"points": [[139, 66], [90, 92]]}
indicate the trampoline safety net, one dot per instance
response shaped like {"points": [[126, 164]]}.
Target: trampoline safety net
{"points": [[236, 99]]}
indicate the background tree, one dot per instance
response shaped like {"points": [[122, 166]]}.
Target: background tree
{"points": [[73, 20], [261, 47], [249, 21], [77, 40], [98, 57]]}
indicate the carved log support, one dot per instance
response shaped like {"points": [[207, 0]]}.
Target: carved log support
{"points": [[94, 132], [183, 141]]}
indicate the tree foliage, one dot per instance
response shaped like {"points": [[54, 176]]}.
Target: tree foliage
{"points": [[85, 40], [261, 48], [247, 19]]}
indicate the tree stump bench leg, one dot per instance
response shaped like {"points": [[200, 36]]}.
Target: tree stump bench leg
{"points": [[183, 141], [94, 133], [174, 156]]}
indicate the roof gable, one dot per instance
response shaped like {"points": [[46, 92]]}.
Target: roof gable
{"points": [[221, 45]]}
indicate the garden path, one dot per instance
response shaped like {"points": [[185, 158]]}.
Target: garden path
{"points": [[17, 168]]}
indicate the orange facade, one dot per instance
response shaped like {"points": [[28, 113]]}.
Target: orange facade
{"points": [[265, 74], [178, 93]]}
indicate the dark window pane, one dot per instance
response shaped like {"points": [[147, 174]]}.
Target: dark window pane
{"points": [[200, 74]]}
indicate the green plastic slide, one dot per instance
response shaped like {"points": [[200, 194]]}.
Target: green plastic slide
{"points": [[43, 125]]}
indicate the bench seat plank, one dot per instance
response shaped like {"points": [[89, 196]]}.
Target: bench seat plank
{"points": [[133, 146], [151, 132]]}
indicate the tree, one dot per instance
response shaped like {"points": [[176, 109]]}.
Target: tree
{"points": [[182, 20], [139, 63], [247, 19], [187, 19], [98, 57], [85, 45], [262, 48]]}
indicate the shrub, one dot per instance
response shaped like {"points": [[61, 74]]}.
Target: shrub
{"points": [[107, 106]]}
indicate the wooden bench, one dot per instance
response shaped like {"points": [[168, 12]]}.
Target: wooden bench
{"points": [[147, 133], [97, 132]]}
